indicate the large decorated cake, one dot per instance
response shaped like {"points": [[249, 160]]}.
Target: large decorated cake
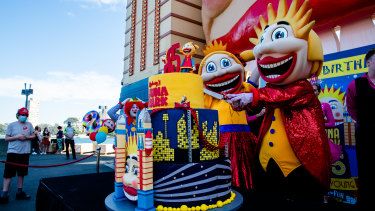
{"points": [[173, 161], [187, 167]]}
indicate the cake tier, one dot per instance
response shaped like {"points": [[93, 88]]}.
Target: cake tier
{"points": [[168, 88], [171, 132], [192, 184]]}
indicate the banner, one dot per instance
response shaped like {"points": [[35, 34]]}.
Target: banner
{"points": [[339, 69]]}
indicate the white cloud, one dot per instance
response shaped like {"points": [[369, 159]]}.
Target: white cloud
{"points": [[62, 86], [70, 14]]}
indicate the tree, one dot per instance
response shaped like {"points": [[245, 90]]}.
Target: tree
{"points": [[3, 128], [71, 119]]}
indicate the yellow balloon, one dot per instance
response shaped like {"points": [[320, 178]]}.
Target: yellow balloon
{"points": [[104, 129]]}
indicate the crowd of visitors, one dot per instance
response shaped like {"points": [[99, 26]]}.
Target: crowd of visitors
{"points": [[43, 143]]}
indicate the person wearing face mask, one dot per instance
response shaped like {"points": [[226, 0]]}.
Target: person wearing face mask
{"points": [[18, 135]]}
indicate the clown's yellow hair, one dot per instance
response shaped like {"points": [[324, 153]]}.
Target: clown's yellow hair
{"points": [[299, 20], [214, 48]]}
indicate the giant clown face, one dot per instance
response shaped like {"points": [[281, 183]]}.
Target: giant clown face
{"points": [[222, 73], [281, 57]]}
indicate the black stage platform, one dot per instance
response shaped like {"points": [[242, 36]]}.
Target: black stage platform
{"points": [[89, 191], [78, 192]]}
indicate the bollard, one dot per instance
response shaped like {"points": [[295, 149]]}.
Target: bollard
{"points": [[98, 159]]}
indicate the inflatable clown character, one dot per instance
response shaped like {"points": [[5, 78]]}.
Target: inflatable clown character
{"points": [[222, 74], [130, 108], [188, 50], [293, 150]]}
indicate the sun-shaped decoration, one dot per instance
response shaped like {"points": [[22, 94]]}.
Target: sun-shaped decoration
{"points": [[331, 92], [131, 146]]}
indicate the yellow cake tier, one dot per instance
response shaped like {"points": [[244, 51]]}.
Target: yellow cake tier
{"points": [[166, 89]]}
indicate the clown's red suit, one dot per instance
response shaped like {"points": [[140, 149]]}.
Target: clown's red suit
{"points": [[303, 121]]}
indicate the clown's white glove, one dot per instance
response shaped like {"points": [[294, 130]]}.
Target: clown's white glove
{"points": [[240, 101]]}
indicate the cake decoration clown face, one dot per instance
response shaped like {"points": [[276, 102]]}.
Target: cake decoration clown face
{"points": [[221, 71], [110, 124], [189, 49], [130, 179], [287, 49]]}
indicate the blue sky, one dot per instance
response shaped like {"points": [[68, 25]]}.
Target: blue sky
{"points": [[71, 51]]}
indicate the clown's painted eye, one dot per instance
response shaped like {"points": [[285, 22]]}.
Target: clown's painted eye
{"points": [[126, 169], [261, 39], [136, 171], [279, 33], [211, 67], [225, 63]]}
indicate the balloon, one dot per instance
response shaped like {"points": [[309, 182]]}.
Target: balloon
{"points": [[104, 129], [100, 137], [91, 121], [92, 136]]}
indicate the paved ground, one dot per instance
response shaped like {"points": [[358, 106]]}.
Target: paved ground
{"points": [[31, 182]]}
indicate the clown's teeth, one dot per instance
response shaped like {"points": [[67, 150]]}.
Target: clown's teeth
{"points": [[224, 83], [130, 197], [226, 91], [273, 76], [269, 66]]}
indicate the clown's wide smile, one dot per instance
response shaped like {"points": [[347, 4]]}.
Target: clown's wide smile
{"points": [[226, 84], [131, 193], [186, 50], [276, 69]]}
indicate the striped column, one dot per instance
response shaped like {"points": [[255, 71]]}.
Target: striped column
{"points": [[120, 159]]}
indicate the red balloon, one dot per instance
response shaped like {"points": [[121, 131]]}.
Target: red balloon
{"points": [[92, 136]]}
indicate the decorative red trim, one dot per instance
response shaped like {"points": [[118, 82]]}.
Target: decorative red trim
{"points": [[147, 183], [132, 37], [148, 178], [141, 170], [144, 35], [148, 167], [156, 32]]}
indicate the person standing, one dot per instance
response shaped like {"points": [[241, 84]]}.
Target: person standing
{"points": [[69, 133], [360, 100], [35, 142], [59, 139], [45, 142], [18, 135]]}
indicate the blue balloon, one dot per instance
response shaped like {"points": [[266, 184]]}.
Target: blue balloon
{"points": [[100, 137]]}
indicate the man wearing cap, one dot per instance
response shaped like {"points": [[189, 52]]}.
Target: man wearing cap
{"points": [[69, 133], [18, 135]]}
